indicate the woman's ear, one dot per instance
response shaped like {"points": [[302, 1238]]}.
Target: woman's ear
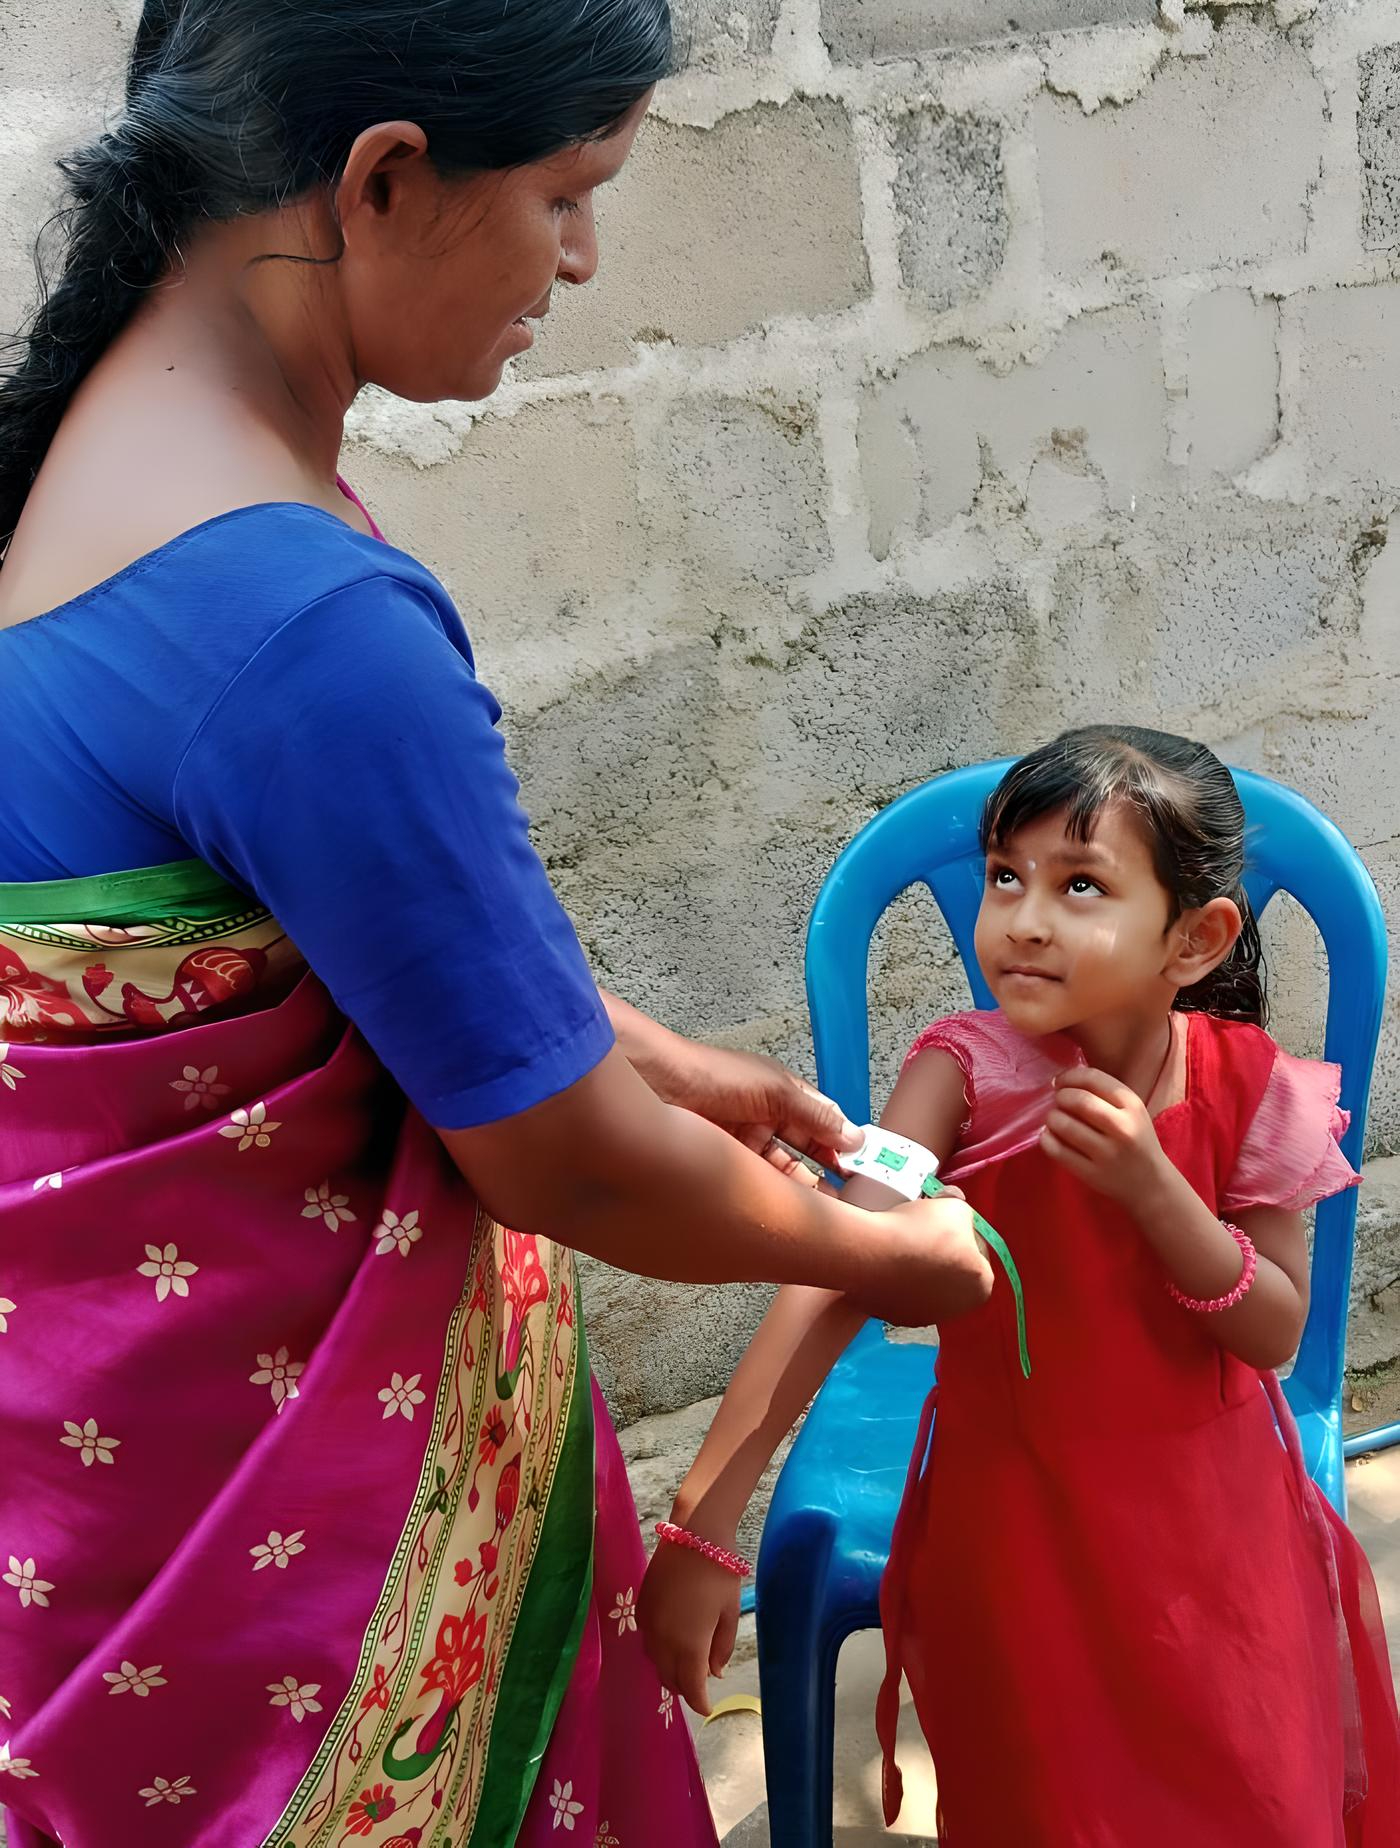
{"points": [[382, 158], [1200, 941]]}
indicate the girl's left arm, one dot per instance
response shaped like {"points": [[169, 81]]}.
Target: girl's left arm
{"points": [[1101, 1131], [1205, 1263]]}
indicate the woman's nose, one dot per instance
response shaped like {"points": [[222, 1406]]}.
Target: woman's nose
{"points": [[578, 255]]}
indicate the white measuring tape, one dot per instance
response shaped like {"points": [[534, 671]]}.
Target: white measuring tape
{"points": [[894, 1161]]}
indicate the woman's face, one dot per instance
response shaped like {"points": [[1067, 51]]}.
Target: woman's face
{"points": [[441, 279]]}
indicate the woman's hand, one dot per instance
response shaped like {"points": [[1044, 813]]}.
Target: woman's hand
{"points": [[756, 1100], [689, 1615], [937, 1266], [1101, 1131]]}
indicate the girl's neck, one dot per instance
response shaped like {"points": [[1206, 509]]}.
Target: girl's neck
{"points": [[1137, 1052]]}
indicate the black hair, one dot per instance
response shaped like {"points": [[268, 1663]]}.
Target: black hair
{"points": [[1192, 817], [235, 107]]}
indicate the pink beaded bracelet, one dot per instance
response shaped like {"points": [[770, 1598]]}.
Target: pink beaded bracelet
{"points": [[721, 1556], [1241, 1289]]}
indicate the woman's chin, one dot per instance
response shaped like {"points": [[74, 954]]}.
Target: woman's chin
{"points": [[482, 382], [472, 388]]}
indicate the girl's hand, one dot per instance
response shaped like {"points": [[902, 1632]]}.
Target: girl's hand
{"points": [[689, 1613], [1101, 1132]]}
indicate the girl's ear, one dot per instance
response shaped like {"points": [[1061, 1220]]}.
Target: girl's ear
{"points": [[1200, 941]]}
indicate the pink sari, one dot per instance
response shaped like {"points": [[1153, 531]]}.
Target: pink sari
{"points": [[297, 1519]]}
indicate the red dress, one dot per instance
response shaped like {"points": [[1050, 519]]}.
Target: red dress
{"points": [[1127, 1617]]}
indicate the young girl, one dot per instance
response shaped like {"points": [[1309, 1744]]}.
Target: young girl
{"points": [[1127, 1617]]}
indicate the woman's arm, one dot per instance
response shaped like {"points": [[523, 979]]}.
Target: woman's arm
{"points": [[690, 1607], [609, 1169]]}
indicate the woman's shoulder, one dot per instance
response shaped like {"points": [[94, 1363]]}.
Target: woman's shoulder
{"points": [[277, 556], [207, 600], [279, 559]]}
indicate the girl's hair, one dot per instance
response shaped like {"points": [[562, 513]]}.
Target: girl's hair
{"points": [[237, 106], [1190, 812]]}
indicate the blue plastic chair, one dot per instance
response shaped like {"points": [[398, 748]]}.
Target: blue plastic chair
{"points": [[827, 1537]]}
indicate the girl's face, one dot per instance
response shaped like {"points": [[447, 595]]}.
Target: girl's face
{"points": [[442, 279], [1072, 932]]}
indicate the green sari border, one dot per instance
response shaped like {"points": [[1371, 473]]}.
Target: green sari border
{"points": [[562, 1575], [183, 888]]}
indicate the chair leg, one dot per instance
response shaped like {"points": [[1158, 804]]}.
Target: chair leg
{"points": [[797, 1679]]}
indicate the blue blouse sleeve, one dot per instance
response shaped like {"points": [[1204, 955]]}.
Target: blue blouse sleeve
{"points": [[351, 776]]}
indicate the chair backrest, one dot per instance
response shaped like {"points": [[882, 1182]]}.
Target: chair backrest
{"points": [[930, 837]]}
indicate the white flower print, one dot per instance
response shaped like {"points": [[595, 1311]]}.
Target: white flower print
{"points": [[251, 1127], [401, 1395], [31, 1589], [667, 1709], [201, 1088], [289, 1693], [334, 1209], [130, 1679], [277, 1551], [624, 1612], [48, 1180], [4, 1708], [9, 1074], [90, 1447], [281, 1373], [169, 1269], [605, 1838], [163, 1791], [561, 1801], [17, 1767], [6, 1308], [395, 1234]]}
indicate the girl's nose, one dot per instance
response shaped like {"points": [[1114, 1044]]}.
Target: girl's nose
{"points": [[1028, 923]]}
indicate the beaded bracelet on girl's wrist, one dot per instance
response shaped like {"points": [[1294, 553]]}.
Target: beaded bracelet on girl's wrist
{"points": [[718, 1555], [1241, 1289]]}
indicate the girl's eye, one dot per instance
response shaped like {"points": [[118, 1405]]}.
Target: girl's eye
{"points": [[570, 207], [1081, 884], [1000, 877]]}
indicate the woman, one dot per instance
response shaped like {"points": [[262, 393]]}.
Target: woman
{"points": [[301, 1457]]}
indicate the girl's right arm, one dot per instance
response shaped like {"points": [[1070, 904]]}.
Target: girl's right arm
{"points": [[690, 1607]]}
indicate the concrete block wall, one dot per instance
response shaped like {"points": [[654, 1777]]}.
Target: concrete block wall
{"points": [[956, 371]]}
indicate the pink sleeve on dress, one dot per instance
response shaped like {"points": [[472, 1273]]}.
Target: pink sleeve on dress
{"points": [[1290, 1156], [1008, 1082], [958, 1036]]}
